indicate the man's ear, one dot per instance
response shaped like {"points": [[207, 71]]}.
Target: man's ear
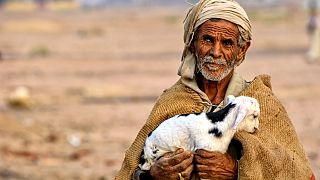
{"points": [[243, 50]]}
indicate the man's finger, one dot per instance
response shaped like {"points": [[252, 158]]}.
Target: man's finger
{"points": [[178, 158], [203, 175], [198, 159], [205, 161], [187, 172], [171, 154], [178, 151], [202, 168], [184, 164], [207, 154], [168, 154]]}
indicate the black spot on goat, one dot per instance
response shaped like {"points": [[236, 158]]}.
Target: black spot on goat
{"points": [[216, 132], [221, 114]]}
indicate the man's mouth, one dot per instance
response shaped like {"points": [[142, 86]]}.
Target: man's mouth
{"points": [[213, 66]]}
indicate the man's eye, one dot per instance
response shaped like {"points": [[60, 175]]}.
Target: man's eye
{"points": [[227, 42], [208, 40]]}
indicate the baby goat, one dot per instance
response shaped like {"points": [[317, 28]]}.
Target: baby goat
{"points": [[211, 131]]}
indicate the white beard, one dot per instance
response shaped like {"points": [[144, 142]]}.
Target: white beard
{"points": [[208, 71]]}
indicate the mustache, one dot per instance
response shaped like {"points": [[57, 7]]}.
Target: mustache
{"points": [[210, 59]]}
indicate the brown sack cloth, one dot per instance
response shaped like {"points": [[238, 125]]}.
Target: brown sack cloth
{"points": [[274, 152]]}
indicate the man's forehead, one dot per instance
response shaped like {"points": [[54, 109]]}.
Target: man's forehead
{"points": [[219, 26]]}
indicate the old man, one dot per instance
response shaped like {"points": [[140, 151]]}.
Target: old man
{"points": [[217, 36]]}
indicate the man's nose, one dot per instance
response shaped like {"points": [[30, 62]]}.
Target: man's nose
{"points": [[216, 51]]}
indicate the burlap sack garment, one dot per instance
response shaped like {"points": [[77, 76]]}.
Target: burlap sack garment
{"points": [[274, 152]]}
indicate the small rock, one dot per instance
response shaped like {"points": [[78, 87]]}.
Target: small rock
{"points": [[20, 98], [76, 155], [74, 140]]}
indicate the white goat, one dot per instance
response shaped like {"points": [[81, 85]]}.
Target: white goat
{"points": [[211, 131]]}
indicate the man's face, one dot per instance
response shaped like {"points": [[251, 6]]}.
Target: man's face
{"points": [[216, 49]]}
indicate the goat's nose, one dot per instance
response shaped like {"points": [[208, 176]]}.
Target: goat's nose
{"points": [[256, 129]]}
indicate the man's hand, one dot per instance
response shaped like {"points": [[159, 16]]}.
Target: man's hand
{"points": [[171, 164], [215, 165]]}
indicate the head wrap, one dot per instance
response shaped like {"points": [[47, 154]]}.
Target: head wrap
{"points": [[204, 10]]}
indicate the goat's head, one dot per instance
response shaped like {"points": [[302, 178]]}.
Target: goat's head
{"points": [[247, 113]]}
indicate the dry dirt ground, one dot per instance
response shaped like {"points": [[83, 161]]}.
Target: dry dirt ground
{"points": [[94, 77]]}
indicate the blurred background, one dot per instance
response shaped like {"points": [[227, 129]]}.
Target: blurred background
{"points": [[79, 78]]}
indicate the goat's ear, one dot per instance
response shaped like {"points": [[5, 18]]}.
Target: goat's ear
{"points": [[240, 116], [230, 99]]}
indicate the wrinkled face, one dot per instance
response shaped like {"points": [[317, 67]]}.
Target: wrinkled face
{"points": [[216, 49]]}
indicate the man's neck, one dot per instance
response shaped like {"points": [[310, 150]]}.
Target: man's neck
{"points": [[215, 90]]}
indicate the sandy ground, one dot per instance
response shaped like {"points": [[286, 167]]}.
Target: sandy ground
{"points": [[94, 77]]}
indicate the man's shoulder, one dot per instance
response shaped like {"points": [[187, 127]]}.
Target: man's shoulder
{"points": [[178, 89], [179, 95], [178, 99]]}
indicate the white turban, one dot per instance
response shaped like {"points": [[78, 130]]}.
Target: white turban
{"points": [[204, 10]]}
